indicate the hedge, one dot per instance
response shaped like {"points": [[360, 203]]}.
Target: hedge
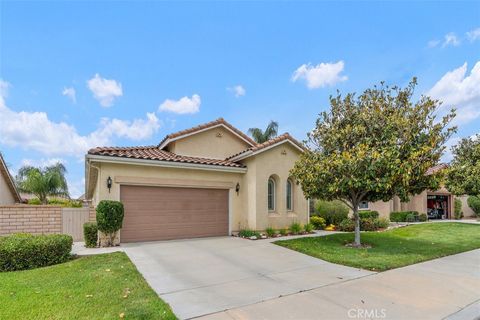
{"points": [[474, 203], [90, 234], [368, 214], [23, 251], [401, 216]]}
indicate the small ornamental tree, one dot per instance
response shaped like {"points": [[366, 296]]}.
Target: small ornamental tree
{"points": [[463, 175], [373, 147], [109, 218]]}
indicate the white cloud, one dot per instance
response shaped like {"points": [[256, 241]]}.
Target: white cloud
{"points": [[137, 129], [70, 93], [105, 90], [35, 131], [237, 90], [183, 106], [42, 162], [4, 86], [451, 39], [433, 43], [473, 35], [459, 90], [321, 75]]}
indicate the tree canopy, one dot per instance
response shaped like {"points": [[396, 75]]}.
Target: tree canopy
{"points": [[261, 136], [43, 182], [463, 176], [373, 147]]}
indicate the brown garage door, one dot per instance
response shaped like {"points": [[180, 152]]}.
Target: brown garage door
{"points": [[162, 213]]}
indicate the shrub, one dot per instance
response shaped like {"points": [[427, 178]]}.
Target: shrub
{"points": [[295, 228], [368, 224], [458, 214], [474, 203], [308, 228], [247, 233], [332, 211], [347, 225], [283, 231], [109, 218], [57, 202], [34, 201], [422, 217], [401, 216], [90, 234], [270, 232], [318, 222], [410, 217], [368, 214], [23, 251], [381, 223]]}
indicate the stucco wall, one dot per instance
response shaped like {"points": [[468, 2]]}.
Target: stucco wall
{"points": [[383, 208], [6, 196], [30, 219], [277, 162], [467, 211], [248, 207], [216, 143], [158, 176]]}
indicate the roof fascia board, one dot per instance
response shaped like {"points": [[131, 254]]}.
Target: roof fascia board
{"points": [[165, 164]]}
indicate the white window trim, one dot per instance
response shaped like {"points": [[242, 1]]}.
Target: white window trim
{"points": [[273, 195], [291, 195], [367, 208]]}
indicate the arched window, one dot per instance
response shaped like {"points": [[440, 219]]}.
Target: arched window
{"points": [[271, 194], [289, 195]]}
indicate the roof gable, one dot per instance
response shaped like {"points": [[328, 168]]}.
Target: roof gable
{"points": [[8, 178], [220, 122], [284, 138]]}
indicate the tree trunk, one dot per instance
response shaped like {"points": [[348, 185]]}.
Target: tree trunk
{"points": [[357, 226]]}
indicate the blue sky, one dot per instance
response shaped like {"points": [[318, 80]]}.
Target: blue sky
{"points": [[82, 74]]}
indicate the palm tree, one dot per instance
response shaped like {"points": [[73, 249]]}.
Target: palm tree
{"points": [[261, 136], [43, 182]]}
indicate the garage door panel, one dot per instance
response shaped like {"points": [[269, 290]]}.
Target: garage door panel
{"points": [[161, 213]]}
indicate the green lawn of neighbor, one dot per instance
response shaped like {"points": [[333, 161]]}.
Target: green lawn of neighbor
{"points": [[394, 248], [106, 286]]}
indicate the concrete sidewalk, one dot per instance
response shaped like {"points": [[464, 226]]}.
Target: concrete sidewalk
{"points": [[448, 288]]}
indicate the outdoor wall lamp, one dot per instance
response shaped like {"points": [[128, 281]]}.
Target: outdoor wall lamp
{"points": [[109, 183], [237, 188]]}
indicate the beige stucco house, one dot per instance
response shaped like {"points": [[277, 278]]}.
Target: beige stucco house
{"points": [[8, 192], [437, 204], [208, 180]]}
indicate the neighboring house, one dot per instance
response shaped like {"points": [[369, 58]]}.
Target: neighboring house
{"points": [[209, 180], [8, 191], [436, 204]]}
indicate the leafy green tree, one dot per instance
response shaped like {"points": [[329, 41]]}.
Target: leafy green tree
{"points": [[373, 147], [261, 136], [463, 175], [43, 182], [474, 203]]}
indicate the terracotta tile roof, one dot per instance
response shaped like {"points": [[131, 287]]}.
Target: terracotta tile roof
{"points": [[208, 125], [8, 178], [436, 168], [285, 136], [155, 153]]}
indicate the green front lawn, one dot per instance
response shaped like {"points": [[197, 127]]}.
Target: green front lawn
{"points": [[106, 286], [394, 248]]}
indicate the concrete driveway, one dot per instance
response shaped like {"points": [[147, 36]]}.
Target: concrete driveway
{"points": [[206, 276]]}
